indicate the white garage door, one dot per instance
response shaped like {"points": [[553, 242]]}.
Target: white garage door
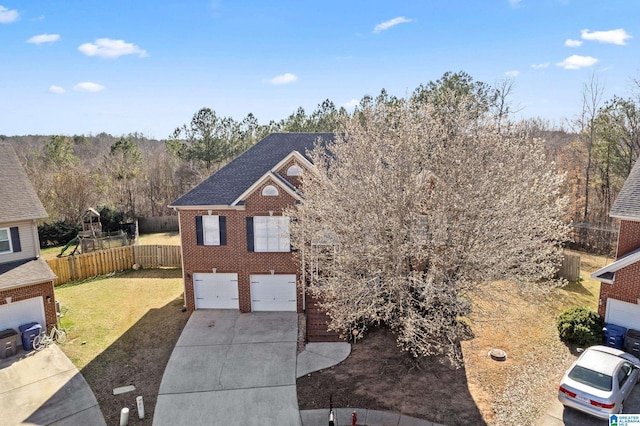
{"points": [[273, 293], [216, 291], [15, 314], [623, 313]]}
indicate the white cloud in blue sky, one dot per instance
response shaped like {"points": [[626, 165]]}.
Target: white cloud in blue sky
{"points": [[285, 78], [268, 59], [88, 86], [7, 15], [44, 38], [573, 43], [541, 65], [390, 23], [575, 62], [351, 104], [512, 73], [110, 49], [618, 36]]}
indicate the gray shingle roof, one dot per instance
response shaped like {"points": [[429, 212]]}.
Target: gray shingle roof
{"points": [[227, 184], [18, 198], [25, 272], [627, 205]]}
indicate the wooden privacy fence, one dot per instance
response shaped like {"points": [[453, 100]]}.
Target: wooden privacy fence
{"points": [[570, 268], [103, 262], [150, 225]]}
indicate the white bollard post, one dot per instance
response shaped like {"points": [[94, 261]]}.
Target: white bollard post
{"points": [[124, 416], [140, 404]]}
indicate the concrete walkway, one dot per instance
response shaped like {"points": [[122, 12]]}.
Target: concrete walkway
{"points": [[45, 388], [342, 417], [231, 369]]}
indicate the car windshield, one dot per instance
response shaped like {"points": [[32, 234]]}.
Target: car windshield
{"points": [[591, 378]]}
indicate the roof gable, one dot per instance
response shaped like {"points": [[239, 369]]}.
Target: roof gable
{"points": [[18, 198], [225, 186], [627, 204], [607, 274]]}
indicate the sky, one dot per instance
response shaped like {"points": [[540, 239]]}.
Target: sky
{"points": [[85, 67]]}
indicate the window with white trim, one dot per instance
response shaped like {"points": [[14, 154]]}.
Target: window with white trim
{"points": [[5, 241], [211, 230], [294, 170], [270, 191], [271, 234]]}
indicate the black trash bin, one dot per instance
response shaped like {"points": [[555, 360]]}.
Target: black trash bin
{"points": [[29, 332], [8, 343], [614, 335], [632, 342]]}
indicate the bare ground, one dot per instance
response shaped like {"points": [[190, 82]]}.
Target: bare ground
{"points": [[137, 358]]}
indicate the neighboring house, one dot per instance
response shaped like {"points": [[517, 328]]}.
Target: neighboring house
{"points": [[26, 281], [236, 251], [619, 301]]}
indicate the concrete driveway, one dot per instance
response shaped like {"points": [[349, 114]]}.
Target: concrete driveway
{"points": [[45, 388], [558, 415], [233, 369]]}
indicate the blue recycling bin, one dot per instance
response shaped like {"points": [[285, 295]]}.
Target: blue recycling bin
{"points": [[614, 335], [29, 332]]}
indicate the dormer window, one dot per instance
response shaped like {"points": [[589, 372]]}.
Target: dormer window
{"points": [[270, 191], [294, 170], [5, 241]]}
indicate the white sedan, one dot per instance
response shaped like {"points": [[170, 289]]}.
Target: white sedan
{"points": [[599, 381]]}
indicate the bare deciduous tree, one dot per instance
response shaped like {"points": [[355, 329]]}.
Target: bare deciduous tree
{"points": [[403, 219]]}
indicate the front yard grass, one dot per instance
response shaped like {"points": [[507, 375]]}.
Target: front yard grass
{"points": [[121, 331]]}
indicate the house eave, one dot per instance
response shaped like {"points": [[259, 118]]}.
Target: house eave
{"points": [[264, 178], [632, 218], [623, 262], [207, 207]]}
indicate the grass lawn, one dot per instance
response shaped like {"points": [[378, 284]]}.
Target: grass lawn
{"points": [[121, 331], [520, 390]]}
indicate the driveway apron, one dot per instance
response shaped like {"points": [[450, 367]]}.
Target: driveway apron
{"points": [[231, 369]]}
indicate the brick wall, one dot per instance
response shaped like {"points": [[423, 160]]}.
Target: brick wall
{"points": [[37, 290], [234, 256], [626, 286]]}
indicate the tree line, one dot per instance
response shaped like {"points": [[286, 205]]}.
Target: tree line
{"points": [[138, 177]]}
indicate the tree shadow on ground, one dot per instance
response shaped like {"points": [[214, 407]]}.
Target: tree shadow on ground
{"points": [[137, 358], [379, 376], [577, 287]]}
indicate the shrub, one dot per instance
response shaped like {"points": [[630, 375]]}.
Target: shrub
{"points": [[581, 326], [56, 233]]}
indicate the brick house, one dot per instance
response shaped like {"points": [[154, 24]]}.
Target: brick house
{"points": [[26, 281], [236, 250], [619, 301]]}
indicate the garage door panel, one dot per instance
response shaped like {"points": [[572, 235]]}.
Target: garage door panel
{"points": [[273, 293], [15, 314], [623, 313], [216, 291]]}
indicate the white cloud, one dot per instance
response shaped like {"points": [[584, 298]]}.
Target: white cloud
{"points": [[56, 89], [44, 38], [512, 73], [542, 65], [572, 43], [107, 48], [87, 86], [515, 3], [7, 16], [285, 78], [618, 36], [575, 62], [351, 104], [390, 23]]}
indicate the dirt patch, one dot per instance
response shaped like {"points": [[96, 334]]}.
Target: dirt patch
{"points": [[137, 358], [377, 375]]}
